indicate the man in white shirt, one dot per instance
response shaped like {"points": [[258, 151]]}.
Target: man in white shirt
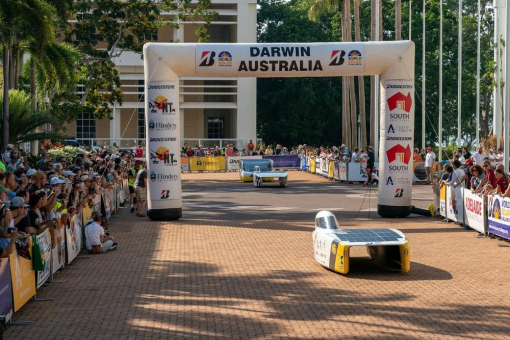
{"points": [[95, 240], [429, 163], [479, 156]]}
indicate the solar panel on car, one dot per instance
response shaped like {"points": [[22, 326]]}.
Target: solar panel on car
{"points": [[368, 235]]}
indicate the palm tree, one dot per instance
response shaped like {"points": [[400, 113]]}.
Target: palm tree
{"points": [[23, 120], [361, 81]]}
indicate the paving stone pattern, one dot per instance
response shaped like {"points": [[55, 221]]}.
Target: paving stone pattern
{"points": [[234, 269]]}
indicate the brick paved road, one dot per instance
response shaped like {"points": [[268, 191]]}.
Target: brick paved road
{"points": [[240, 265]]}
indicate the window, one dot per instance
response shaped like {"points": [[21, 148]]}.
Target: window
{"points": [[141, 90], [141, 123], [85, 127], [80, 91], [215, 127]]}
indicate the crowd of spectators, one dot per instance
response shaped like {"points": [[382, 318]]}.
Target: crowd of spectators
{"points": [[34, 199]]}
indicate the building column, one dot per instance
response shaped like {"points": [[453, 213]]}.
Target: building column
{"points": [[246, 111], [179, 33]]}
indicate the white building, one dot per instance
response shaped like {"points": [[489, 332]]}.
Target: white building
{"points": [[213, 110]]}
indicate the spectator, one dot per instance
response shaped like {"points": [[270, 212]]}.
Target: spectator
{"points": [[430, 159], [15, 162], [465, 153], [370, 165], [45, 156], [416, 155], [269, 150], [490, 175], [278, 150], [95, 240], [141, 191], [251, 147], [217, 151], [38, 180], [354, 158], [229, 152], [501, 182], [285, 151], [423, 154], [189, 152], [479, 156], [139, 151], [199, 152], [477, 178]]}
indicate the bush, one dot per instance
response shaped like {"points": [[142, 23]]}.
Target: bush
{"points": [[69, 152]]}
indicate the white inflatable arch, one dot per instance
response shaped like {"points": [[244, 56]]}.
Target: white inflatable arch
{"points": [[165, 64]]}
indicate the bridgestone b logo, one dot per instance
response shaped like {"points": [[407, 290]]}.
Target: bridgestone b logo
{"points": [[337, 57]]}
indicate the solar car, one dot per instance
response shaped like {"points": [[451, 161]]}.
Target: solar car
{"points": [[390, 247], [265, 176], [246, 167]]}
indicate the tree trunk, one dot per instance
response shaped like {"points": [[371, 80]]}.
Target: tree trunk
{"points": [[352, 95], [361, 81], [372, 78], [398, 19], [346, 136], [11, 69], [5, 116], [34, 145]]}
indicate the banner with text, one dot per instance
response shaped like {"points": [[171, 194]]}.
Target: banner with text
{"points": [[208, 163], [474, 211], [44, 242], [58, 251], [499, 216], [233, 161], [23, 277], [6, 305], [74, 237], [285, 162], [455, 206]]}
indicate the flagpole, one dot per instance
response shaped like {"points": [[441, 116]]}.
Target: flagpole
{"points": [[376, 89], [506, 127], [423, 99], [478, 80], [440, 80], [459, 66], [497, 92], [410, 18]]}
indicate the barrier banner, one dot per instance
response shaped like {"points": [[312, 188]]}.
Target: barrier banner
{"points": [[336, 171], [208, 163], [286, 161], [455, 206], [233, 162], [44, 242], [96, 203], [499, 216], [184, 164], [331, 169], [107, 199], [442, 200], [304, 164], [474, 209], [312, 165], [73, 237], [125, 186], [6, 305], [357, 172], [22, 276], [58, 251], [324, 167], [342, 170], [86, 213], [318, 166]]}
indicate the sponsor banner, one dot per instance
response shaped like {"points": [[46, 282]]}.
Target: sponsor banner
{"points": [[23, 277], [278, 59], [184, 164], [58, 251], [331, 169], [336, 171], [499, 216], [324, 167], [304, 162], [455, 206], [233, 162], [318, 166], [474, 210], [312, 165], [163, 147], [287, 161], [73, 237], [397, 141], [357, 172], [342, 170], [209, 163], [6, 305], [442, 201], [44, 242]]}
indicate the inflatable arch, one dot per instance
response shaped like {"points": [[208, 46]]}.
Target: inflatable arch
{"points": [[165, 64]]}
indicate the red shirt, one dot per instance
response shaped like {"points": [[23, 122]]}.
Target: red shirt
{"points": [[139, 152], [501, 183], [491, 177]]}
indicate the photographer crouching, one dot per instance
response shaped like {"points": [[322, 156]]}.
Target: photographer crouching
{"points": [[96, 241]]}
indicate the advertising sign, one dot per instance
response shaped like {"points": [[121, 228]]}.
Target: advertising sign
{"points": [[6, 305], [324, 167], [336, 171], [208, 163], [73, 237], [274, 59], [442, 201], [398, 142], [233, 162], [312, 165], [58, 251], [474, 211], [331, 169], [304, 163], [163, 168], [318, 166], [184, 164], [357, 172], [285, 162], [342, 169], [499, 216], [44, 242], [455, 206], [23, 277]]}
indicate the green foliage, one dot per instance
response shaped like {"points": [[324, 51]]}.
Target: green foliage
{"points": [[32, 160], [69, 152], [23, 120]]}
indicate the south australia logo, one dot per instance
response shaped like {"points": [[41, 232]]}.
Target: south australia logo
{"points": [[399, 158], [400, 106]]}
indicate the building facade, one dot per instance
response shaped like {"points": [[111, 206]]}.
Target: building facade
{"points": [[214, 111]]}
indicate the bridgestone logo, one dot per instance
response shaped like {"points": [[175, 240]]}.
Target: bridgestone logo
{"points": [[166, 139], [161, 87], [389, 86]]}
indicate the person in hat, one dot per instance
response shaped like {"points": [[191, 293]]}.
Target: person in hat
{"points": [[95, 240], [19, 211], [430, 159], [4, 193]]}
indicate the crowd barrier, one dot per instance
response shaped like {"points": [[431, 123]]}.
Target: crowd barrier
{"points": [[485, 214], [221, 163], [58, 247]]}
